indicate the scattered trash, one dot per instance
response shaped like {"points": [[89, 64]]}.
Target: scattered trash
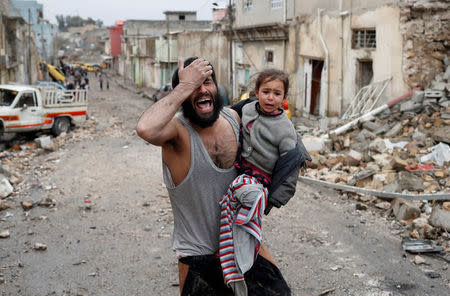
{"points": [[420, 246], [432, 275], [440, 154]]}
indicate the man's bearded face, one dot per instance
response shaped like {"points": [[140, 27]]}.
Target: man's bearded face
{"points": [[203, 108]]}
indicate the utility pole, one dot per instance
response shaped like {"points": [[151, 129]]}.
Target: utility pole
{"points": [[230, 40], [29, 48]]}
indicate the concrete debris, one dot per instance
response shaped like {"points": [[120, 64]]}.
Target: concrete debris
{"points": [[404, 210], [440, 218], [4, 234], [401, 153], [40, 247], [4, 205], [418, 260], [5, 188], [46, 143]]}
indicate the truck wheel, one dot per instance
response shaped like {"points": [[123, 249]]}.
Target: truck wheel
{"points": [[61, 125]]}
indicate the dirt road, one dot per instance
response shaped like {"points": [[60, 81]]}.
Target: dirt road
{"points": [[110, 231]]}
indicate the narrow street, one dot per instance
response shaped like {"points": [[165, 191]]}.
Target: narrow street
{"points": [[109, 232]]}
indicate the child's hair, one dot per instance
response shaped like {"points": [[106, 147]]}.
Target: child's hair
{"points": [[270, 75]]}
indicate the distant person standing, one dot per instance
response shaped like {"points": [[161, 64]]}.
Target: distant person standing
{"points": [[100, 80]]}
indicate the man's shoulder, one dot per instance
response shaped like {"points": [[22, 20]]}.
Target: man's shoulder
{"points": [[233, 112]]}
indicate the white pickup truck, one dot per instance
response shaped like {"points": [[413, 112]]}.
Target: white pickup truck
{"points": [[24, 108]]}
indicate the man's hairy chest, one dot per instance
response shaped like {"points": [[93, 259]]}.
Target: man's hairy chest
{"points": [[222, 148]]}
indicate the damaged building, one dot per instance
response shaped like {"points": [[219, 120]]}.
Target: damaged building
{"points": [[18, 55], [333, 49], [149, 51]]}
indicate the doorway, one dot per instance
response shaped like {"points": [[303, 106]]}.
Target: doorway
{"points": [[313, 78], [364, 73]]}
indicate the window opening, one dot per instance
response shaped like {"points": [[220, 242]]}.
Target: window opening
{"points": [[248, 5], [26, 99], [364, 38], [269, 56], [277, 4]]}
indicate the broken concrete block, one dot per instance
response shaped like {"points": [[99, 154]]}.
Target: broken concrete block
{"points": [[332, 177], [371, 126], [46, 143], [440, 86], [362, 146], [5, 188], [398, 164], [5, 170], [409, 105], [377, 145], [409, 181], [392, 187], [404, 210], [4, 234], [313, 143], [447, 74], [394, 130], [418, 96], [442, 134], [418, 136], [4, 205], [361, 176], [384, 205], [382, 160], [353, 158], [432, 93], [440, 218], [378, 181], [446, 206]]}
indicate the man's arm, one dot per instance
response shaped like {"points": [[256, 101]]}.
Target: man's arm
{"points": [[156, 125]]}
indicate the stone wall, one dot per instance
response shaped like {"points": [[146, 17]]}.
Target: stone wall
{"points": [[425, 26]]}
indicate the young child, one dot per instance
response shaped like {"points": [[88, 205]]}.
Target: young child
{"points": [[266, 134]]}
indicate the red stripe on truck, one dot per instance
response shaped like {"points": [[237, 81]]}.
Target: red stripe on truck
{"points": [[75, 113], [9, 117], [26, 125]]}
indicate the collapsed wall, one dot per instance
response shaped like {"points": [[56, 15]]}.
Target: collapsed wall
{"points": [[425, 26]]}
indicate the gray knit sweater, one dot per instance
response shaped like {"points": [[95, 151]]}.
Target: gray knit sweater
{"points": [[270, 137]]}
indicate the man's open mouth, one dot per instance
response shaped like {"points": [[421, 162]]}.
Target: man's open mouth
{"points": [[204, 105]]}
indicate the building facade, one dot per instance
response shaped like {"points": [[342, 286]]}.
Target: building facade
{"points": [[45, 32], [333, 49]]}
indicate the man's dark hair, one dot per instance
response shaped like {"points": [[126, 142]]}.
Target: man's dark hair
{"points": [[187, 62]]}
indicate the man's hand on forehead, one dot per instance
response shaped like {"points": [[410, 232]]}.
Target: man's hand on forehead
{"points": [[195, 73]]}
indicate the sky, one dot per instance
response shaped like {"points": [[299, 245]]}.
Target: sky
{"points": [[111, 10]]}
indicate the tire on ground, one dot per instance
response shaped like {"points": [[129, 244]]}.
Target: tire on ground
{"points": [[61, 125]]}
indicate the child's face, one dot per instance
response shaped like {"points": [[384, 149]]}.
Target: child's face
{"points": [[270, 95]]}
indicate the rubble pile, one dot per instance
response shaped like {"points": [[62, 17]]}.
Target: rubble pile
{"points": [[19, 173], [404, 150]]}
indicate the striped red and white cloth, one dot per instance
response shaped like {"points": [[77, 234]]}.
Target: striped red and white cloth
{"points": [[249, 218]]}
